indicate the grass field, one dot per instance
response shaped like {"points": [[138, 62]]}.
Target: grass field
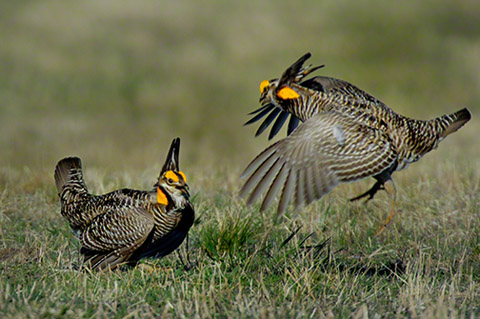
{"points": [[114, 81]]}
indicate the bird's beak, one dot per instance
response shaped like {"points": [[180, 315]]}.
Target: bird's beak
{"points": [[185, 191]]}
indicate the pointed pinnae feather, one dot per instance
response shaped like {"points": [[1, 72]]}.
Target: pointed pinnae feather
{"points": [[287, 192], [265, 181], [260, 109], [301, 73], [275, 187], [257, 117], [257, 161], [267, 121], [258, 174], [171, 162], [293, 70], [278, 124], [292, 124], [310, 70]]}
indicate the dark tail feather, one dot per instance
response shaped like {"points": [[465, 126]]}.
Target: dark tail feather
{"points": [[171, 163], [67, 170], [455, 121]]}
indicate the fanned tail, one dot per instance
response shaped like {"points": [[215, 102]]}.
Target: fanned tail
{"points": [[452, 122], [68, 171]]}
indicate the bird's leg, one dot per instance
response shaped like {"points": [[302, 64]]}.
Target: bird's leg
{"points": [[188, 264], [371, 192], [393, 194]]}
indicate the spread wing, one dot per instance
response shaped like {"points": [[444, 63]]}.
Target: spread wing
{"points": [[111, 238], [326, 149]]}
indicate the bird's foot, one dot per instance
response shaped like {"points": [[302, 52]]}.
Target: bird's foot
{"points": [[385, 224], [370, 193]]}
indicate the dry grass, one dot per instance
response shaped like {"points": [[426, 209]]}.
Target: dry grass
{"points": [[424, 265], [115, 81]]}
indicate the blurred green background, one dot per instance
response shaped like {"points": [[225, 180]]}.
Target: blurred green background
{"points": [[114, 81]]}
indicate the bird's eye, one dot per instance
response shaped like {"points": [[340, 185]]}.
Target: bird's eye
{"points": [[170, 181]]}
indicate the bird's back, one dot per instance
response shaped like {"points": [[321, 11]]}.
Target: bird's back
{"points": [[81, 208]]}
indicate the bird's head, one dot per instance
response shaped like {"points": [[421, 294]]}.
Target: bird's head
{"points": [[271, 91], [172, 188], [279, 96], [267, 89], [284, 88]]}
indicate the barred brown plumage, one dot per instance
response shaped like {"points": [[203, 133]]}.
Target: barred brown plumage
{"points": [[126, 225], [346, 135]]}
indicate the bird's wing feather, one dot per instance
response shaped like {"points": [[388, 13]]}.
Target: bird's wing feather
{"points": [[326, 149], [113, 236]]}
